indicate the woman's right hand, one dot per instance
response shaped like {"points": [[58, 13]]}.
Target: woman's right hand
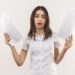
{"points": [[7, 39]]}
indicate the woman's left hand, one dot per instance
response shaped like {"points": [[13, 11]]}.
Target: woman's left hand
{"points": [[68, 42]]}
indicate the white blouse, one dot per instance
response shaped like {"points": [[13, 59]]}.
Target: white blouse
{"points": [[41, 54]]}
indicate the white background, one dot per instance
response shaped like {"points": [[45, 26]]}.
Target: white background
{"points": [[20, 11]]}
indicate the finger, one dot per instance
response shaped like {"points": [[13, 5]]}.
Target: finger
{"points": [[6, 36], [67, 40], [70, 38]]}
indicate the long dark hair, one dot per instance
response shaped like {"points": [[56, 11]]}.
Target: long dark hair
{"points": [[47, 30]]}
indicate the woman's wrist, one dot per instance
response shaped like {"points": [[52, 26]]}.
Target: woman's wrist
{"points": [[12, 47], [65, 49]]}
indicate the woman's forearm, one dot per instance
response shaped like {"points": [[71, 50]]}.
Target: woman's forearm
{"points": [[60, 56], [16, 56]]}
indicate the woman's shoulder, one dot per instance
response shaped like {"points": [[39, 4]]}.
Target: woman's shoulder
{"points": [[55, 36], [26, 38]]}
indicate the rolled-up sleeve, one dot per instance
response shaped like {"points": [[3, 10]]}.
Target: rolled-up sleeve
{"points": [[25, 43], [56, 41], [56, 44]]}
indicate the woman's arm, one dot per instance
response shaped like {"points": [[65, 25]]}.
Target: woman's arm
{"points": [[19, 58], [59, 56]]}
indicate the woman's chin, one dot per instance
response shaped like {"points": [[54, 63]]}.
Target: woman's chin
{"points": [[39, 28]]}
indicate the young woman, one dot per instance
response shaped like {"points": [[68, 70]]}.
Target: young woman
{"points": [[42, 44]]}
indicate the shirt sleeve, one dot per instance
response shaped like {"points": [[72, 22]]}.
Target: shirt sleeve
{"points": [[25, 43], [56, 44], [56, 41]]}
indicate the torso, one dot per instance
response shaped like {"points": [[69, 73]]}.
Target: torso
{"points": [[42, 56]]}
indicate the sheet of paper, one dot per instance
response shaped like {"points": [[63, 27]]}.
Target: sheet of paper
{"points": [[67, 26], [9, 28]]}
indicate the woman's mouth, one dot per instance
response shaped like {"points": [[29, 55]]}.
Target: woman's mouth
{"points": [[39, 24]]}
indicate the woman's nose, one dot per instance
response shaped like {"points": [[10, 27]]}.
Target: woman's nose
{"points": [[40, 19]]}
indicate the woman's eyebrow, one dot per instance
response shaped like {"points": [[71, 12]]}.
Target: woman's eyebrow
{"points": [[36, 14], [42, 14]]}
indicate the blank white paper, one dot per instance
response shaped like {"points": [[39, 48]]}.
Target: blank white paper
{"points": [[9, 28], [67, 26]]}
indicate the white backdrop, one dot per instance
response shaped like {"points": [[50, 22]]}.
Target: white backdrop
{"points": [[20, 11]]}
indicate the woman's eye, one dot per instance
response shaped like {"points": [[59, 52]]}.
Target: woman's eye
{"points": [[36, 16], [44, 17]]}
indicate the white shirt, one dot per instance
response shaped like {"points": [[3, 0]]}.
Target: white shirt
{"points": [[41, 54]]}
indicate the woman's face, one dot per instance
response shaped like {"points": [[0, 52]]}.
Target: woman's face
{"points": [[40, 19]]}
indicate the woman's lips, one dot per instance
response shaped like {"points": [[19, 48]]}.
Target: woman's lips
{"points": [[39, 24]]}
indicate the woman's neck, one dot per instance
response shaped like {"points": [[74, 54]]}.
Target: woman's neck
{"points": [[39, 31]]}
